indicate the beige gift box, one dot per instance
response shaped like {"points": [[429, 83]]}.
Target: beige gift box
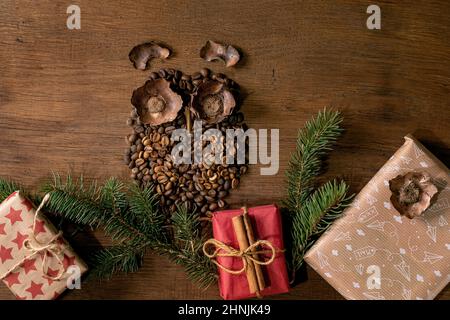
{"points": [[39, 273], [372, 252]]}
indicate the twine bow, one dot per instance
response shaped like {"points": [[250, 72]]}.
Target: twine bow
{"points": [[49, 248], [223, 250]]}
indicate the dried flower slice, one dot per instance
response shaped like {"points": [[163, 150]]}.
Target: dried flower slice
{"points": [[212, 102], [141, 54], [156, 103], [218, 51], [412, 193]]}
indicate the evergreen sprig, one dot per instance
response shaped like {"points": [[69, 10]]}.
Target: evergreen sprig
{"points": [[313, 142], [318, 212], [132, 218], [121, 258], [7, 187], [311, 210]]}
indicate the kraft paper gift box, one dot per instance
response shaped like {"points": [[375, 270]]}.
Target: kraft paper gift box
{"points": [[266, 223], [34, 257], [372, 252]]}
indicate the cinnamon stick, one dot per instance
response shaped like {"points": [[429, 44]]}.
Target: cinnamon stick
{"points": [[241, 235], [251, 240]]}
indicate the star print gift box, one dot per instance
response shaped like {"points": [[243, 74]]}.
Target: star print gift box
{"points": [[35, 261], [373, 252]]}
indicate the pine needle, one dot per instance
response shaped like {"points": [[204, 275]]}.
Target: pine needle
{"points": [[123, 258], [313, 142], [7, 187], [311, 211], [317, 214]]}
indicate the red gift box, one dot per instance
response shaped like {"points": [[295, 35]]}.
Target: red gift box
{"points": [[266, 222]]}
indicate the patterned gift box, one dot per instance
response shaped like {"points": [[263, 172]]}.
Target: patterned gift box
{"points": [[372, 252], [35, 260]]}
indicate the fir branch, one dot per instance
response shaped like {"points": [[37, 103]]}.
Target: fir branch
{"points": [[122, 258], [186, 249], [197, 266], [7, 187], [145, 214], [318, 212], [74, 201], [313, 142], [186, 225]]}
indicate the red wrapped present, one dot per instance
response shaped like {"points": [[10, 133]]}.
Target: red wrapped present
{"points": [[255, 268], [36, 263]]}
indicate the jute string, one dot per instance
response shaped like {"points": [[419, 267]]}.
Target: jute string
{"points": [[223, 250], [49, 248]]}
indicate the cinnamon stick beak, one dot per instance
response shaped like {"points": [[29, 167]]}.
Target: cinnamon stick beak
{"points": [[245, 236], [239, 229], [252, 240]]}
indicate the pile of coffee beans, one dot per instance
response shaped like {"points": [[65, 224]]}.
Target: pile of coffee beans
{"points": [[202, 187]]}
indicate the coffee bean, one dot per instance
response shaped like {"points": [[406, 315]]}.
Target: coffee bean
{"points": [[165, 141], [139, 161], [162, 179], [205, 72], [198, 199], [169, 130], [157, 146], [222, 194], [185, 77], [234, 183], [130, 122], [132, 138], [212, 193], [162, 73], [227, 185], [240, 117]]}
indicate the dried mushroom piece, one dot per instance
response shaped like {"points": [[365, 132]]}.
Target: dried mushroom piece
{"points": [[156, 103], [217, 51], [141, 54], [212, 102], [412, 193]]}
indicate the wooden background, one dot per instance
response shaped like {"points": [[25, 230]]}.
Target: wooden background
{"points": [[64, 95]]}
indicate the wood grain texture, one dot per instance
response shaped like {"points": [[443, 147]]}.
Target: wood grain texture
{"points": [[64, 95]]}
